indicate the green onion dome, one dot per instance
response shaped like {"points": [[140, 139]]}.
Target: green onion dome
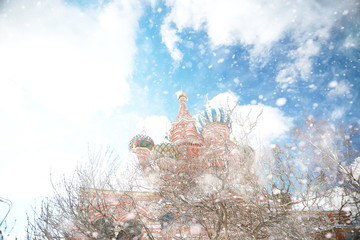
{"points": [[165, 150], [142, 141]]}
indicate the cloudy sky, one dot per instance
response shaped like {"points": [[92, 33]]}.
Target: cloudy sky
{"points": [[81, 75]]}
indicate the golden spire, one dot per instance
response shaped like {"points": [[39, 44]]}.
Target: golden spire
{"points": [[182, 94], [207, 100], [143, 131], [183, 111]]}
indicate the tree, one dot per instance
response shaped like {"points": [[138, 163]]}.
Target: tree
{"points": [[81, 206], [229, 201], [223, 193], [219, 193], [333, 151]]}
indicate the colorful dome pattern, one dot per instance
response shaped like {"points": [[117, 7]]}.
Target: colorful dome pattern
{"points": [[141, 140], [165, 150], [211, 115]]}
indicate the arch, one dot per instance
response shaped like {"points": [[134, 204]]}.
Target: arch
{"points": [[106, 226], [131, 230], [117, 214]]}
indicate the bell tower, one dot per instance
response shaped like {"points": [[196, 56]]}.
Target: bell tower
{"points": [[183, 132]]}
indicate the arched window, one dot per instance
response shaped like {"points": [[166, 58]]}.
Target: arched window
{"points": [[131, 230], [105, 227]]}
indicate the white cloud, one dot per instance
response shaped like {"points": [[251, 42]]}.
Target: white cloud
{"points": [[229, 22], [338, 113], [69, 59], [272, 125], [301, 64], [153, 4], [63, 72], [303, 55], [286, 75], [257, 25], [351, 42], [227, 100], [170, 38], [340, 89], [154, 126]]}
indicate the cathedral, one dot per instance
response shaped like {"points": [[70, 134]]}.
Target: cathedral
{"points": [[199, 143], [188, 136], [189, 140]]}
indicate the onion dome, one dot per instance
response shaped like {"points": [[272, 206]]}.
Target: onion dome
{"points": [[182, 94], [165, 150], [211, 115], [142, 141]]}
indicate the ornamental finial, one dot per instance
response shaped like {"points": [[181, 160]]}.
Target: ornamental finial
{"points": [[207, 100], [143, 131], [182, 94]]}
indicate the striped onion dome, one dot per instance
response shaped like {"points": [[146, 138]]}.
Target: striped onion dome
{"points": [[210, 115], [165, 150], [141, 140]]}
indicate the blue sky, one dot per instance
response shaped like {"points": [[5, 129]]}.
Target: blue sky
{"points": [[79, 75]]}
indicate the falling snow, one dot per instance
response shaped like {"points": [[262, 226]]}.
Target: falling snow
{"points": [[129, 58], [281, 102]]}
